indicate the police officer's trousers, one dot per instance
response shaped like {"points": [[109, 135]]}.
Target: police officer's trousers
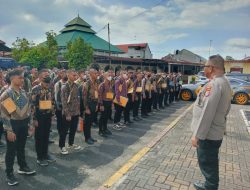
{"points": [[20, 128], [208, 159]]}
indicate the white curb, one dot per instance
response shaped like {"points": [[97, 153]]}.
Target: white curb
{"points": [[245, 120]]}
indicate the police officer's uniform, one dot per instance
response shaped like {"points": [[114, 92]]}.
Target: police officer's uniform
{"points": [[208, 125]]}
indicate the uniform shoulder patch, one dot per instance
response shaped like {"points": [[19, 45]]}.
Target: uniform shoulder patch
{"points": [[208, 90]]}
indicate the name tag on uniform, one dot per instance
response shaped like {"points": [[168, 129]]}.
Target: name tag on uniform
{"points": [[96, 94], [45, 105], [9, 105], [130, 91], [109, 95], [139, 89], [164, 85]]}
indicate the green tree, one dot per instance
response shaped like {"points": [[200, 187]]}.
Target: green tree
{"points": [[20, 47], [52, 49], [79, 54], [37, 57]]}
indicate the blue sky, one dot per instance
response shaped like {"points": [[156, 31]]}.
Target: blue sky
{"points": [[167, 25]]}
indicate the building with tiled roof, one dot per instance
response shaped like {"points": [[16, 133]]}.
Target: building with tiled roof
{"points": [[141, 50], [4, 50], [241, 66]]}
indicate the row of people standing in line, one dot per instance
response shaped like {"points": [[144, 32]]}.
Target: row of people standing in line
{"points": [[76, 94]]}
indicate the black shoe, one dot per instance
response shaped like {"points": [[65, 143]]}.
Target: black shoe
{"points": [[94, 125], [93, 139], [108, 132], [136, 119], [26, 171], [126, 123], [51, 141], [12, 180], [199, 186], [102, 134], [1, 144], [89, 141], [50, 158], [42, 162], [111, 119], [143, 116], [139, 118]]}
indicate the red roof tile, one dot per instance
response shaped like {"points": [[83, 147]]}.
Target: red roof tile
{"points": [[125, 47]]}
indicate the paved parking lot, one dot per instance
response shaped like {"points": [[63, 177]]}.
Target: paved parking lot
{"points": [[172, 163], [92, 166]]}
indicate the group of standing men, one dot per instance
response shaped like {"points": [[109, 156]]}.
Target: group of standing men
{"points": [[28, 102]]}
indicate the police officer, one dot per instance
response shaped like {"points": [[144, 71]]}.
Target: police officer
{"points": [[70, 112], [90, 92], [105, 100], [42, 106], [15, 112], [209, 121]]}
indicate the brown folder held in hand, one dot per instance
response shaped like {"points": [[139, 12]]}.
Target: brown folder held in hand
{"points": [[45, 105], [109, 95], [139, 89], [123, 101], [130, 90], [9, 105]]}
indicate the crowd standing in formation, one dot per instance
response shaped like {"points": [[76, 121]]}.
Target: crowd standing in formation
{"points": [[30, 99]]}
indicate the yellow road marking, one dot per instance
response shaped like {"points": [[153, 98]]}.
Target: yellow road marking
{"points": [[124, 169]]}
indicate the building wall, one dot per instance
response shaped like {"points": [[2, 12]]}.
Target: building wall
{"points": [[188, 56], [244, 66], [143, 53]]}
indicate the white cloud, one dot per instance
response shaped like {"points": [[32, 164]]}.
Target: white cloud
{"points": [[239, 42]]}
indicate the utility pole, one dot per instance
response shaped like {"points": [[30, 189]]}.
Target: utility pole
{"points": [[109, 47], [210, 43]]}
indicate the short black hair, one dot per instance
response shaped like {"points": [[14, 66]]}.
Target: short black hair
{"points": [[15, 72], [42, 71]]}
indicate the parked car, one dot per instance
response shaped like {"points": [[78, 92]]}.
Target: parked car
{"points": [[245, 77], [240, 90], [201, 73], [190, 91]]}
